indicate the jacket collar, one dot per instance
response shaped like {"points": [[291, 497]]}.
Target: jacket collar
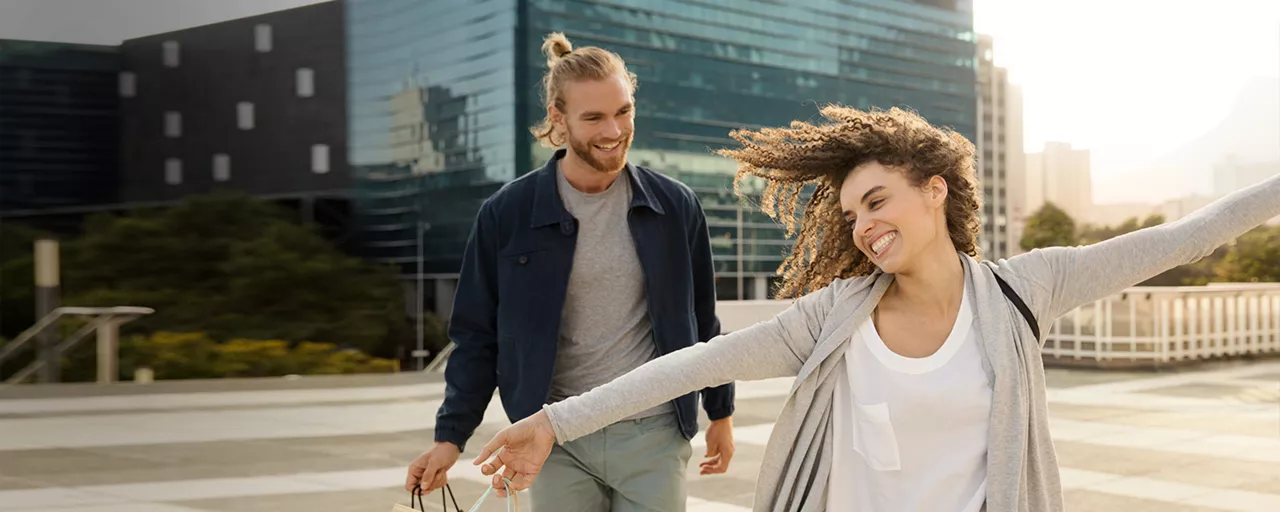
{"points": [[548, 207]]}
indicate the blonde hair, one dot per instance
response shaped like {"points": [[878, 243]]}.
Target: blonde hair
{"points": [[565, 64], [788, 159]]}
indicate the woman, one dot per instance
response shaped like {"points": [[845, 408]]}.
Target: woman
{"points": [[919, 384]]}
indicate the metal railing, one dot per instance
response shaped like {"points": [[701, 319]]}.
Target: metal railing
{"points": [[104, 321], [1168, 325]]}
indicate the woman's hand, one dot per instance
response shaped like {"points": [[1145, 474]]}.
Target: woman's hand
{"points": [[518, 453]]}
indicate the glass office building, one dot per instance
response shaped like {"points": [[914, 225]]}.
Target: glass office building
{"points": [[58, 124], [442, 94]]}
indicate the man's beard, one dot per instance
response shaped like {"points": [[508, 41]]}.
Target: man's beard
{"points": [[613, 163]]}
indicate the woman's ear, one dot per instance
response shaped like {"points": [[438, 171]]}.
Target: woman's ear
{"points": [[937, 189]]}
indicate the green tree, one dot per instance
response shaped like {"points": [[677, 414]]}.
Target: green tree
{"points": [[1091, 234], [17, 278], [1152, 220], [1254, 257], [1050, 226], [234, 267]]}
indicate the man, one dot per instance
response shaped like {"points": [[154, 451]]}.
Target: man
{"points": [[575, 274]]}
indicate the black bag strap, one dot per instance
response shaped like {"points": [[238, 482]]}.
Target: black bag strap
{"points": [[1017, 302], [417, 500]]}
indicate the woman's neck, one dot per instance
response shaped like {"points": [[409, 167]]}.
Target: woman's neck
{"points": [[934, 285]]}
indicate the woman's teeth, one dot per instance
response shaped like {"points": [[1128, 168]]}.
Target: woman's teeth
{"points": [[880, 244]]}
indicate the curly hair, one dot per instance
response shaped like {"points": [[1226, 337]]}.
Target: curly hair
{"points": [[789, 159], [565, 64]]}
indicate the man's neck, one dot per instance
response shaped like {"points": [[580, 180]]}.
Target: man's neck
{"points": [[585, 178]]}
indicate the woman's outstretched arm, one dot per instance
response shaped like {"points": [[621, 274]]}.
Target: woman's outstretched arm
{"points": [[777, 347], [774, 348], [1066, 277]]}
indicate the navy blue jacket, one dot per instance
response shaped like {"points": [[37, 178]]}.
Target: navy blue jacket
{"points": [[511, 293]]}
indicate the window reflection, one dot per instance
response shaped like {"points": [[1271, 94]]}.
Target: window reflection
{"points": [[441, 94]]}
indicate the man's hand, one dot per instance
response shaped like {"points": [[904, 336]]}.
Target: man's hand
{"points": [[518, 453], [430, 470], [719, 447]]}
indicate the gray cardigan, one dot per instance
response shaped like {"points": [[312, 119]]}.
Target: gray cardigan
{"points": [[808, 339]]}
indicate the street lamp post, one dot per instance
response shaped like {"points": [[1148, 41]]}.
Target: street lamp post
{"points": [[420, 353], [739, 244]]}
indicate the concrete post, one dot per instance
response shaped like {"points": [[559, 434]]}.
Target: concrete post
{"points": [[108, 351], [48, 298]]}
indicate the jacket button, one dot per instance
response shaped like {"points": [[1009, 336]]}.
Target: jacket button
{"points": [[524, 259]]}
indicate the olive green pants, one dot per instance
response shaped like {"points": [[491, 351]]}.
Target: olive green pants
{"points": [[630, 466]]}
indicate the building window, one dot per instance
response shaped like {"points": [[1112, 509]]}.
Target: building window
{"points": [[173, 124], [244, 115], [173, 171], [320, 158], [221, 167], [306, 83], [262, 38], [128, 84], [170, 54]]}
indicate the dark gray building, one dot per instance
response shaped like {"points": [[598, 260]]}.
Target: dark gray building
{"points": [[58, 111], [255, 105]]}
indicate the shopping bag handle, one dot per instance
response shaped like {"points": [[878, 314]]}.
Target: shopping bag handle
{"points": [[513, 502], [421, 502]]}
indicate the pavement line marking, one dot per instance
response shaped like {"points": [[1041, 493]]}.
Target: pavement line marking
{"points": [[119, 496], [1169, 492], [143, 496], [203, 426], [114, 507], [1194, 377], [172, 401], [1137, 402], [769, 388], [383, 418], [178, 401], [1190, 442]]}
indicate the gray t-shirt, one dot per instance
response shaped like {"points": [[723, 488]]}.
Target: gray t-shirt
{"points": [[605, 330]]}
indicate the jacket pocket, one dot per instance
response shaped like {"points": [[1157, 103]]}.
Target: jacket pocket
{"points": [[874, 438]]}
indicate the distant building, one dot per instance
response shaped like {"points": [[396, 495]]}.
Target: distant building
{"points": [[255, 105], [1001, 161], [1233, 175], [1111, 214], [408, 115], [1061, 175], [58, 117], [1175, 209]]}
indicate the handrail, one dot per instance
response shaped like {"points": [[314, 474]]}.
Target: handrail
{"points": [[103, 316], [57, 314]]}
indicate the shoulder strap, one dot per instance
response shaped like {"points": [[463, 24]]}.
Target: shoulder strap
{"points": [[1017, 302]]}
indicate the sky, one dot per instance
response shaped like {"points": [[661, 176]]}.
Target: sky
{"points": [[1130, 80]]}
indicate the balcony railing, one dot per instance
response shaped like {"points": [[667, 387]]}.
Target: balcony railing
{"points": [[1157, 326]]}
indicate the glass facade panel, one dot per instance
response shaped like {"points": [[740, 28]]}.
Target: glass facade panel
{"points": [[433, 121], [707, 67], [442, 94], [59, 107]]}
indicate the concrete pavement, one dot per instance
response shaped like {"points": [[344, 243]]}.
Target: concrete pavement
{"points": [[1196, 440]]}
